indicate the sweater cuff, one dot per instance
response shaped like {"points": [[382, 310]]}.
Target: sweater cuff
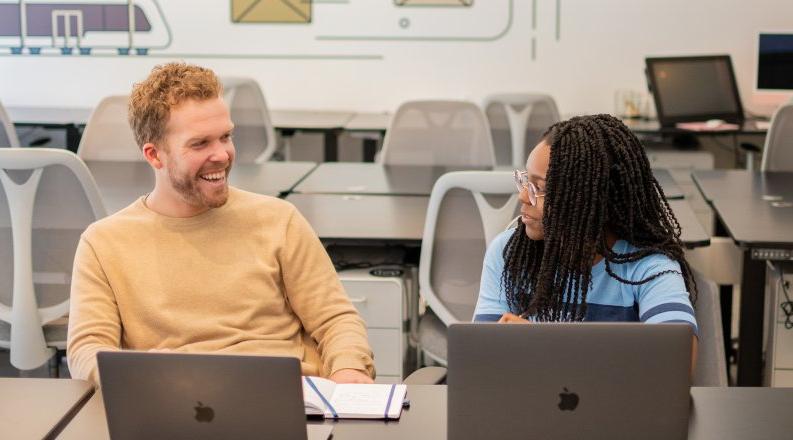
{"points": [[355, 362]]}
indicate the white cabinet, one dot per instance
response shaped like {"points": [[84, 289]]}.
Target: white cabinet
{"points": [[779, 351], [381, 301]]}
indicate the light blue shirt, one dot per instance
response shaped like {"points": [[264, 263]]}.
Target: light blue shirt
{"points": [[663, 299]]}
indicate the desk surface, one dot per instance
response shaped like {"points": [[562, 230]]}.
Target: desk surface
{"points": [[716, 413], [372, 178], [670, 187], [49, 115], [743, 185], [691, 231], [369, 122], [35, 408], [653, 126], [757, 223], [364, 217], [120, 183], [310, 119]]}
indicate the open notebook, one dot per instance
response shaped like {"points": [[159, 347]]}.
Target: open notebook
{"points": [[326, 398]]}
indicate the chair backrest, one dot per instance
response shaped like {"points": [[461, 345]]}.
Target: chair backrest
{"points": [[48, 199], [466, 210], [443, 133], [8, 135], [108, 136], [778, 150], [254, 135], [711, 367], [517, 122]]}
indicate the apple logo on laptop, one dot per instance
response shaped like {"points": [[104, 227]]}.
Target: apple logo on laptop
{"points": [[204, 413], [568, 401]]}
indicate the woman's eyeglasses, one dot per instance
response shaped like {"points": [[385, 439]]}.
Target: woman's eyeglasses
{"points": [[522, 182]]}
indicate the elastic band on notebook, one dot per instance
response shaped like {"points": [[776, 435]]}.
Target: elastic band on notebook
{"points": [[324, 400], [390, 397]]}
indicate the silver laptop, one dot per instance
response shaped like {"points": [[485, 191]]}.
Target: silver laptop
{"points": [[203, 396], [569, 381]]}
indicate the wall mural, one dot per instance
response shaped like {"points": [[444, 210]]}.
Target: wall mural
{"points": [[140, 27]]}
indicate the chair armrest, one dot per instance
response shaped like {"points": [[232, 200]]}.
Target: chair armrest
{"points": [[427, 376]]}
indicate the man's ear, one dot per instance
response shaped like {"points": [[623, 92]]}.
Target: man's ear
{"points": [[151, 153]]}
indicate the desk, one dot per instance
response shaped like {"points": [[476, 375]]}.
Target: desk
{"points": [[371, 127], [745, 204], [644, 126], [329, 123], [668, 184], [373, 179], [692, 234], [39, 408], [121, 183], [350, 217], [716, 413], [69, 119]]}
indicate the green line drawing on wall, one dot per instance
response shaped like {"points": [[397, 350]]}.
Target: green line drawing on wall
{"points": [[405, 23], [271, 11]]}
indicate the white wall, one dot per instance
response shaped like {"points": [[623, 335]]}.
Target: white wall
{"points": [[601, 48]]}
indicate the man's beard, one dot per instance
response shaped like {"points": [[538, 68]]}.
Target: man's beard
{"points": [[188, 189]]}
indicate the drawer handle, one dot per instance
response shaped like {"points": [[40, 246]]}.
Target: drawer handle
{"points": [[357, 299]]}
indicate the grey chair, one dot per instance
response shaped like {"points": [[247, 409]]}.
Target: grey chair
{"points": [[107, 135], [466, 210], [517, 122], [778, 149], [254, 134], [48, 199], [8, 136], [443, 133], [711, 366]]}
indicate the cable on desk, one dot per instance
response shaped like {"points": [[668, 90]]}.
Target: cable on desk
{"points": [[787, 304]]}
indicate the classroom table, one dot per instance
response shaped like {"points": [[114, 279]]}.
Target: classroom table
{"points": [[645, 126], [71, 120], [39, 408], [716, 413], [371, 127], [400, 219], [120, 183], [329, 123], [418, 180], [756, 211], [364, 218]]}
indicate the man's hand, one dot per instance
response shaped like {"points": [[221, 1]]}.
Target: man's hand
{"points": [[509, 318], [349, 375]]}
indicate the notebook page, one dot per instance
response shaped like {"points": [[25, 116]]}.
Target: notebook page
{"points": [[368, 401], [312, 401]]}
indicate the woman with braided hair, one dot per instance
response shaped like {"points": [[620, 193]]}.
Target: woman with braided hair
{"points": [[596, 240]]}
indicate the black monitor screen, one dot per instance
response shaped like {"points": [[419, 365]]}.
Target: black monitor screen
{"points": [[694, 89], [775, 62]]}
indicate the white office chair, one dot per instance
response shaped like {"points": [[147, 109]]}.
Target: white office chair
{"points": [[48, 199], [443, 133], [461, 221], [254, 135], [108, 136], [518, 121], [778, 149], [8, 135], [711, 367]]}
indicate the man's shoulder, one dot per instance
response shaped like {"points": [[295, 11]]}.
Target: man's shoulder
{"points": [[118, 222]]}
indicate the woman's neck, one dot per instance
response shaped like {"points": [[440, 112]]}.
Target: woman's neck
{"points": [[610, 240]]}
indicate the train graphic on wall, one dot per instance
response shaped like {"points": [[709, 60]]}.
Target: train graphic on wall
{"points": [[84, 27]]}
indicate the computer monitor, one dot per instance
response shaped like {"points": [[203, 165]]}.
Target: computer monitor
{"points": [[695, 88], [774, 62]]}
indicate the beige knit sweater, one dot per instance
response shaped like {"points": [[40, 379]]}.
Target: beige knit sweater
{"points": [[249, 277]]}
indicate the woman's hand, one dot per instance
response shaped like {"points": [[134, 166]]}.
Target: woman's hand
{"points": [[510, 318]]}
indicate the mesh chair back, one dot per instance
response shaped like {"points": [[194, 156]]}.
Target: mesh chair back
{"points": [[778, 151], [444, 133], [254, 135], [8, 135], [466, 211], [517, 123], [711, 368], [108, 136], [48, 198]]}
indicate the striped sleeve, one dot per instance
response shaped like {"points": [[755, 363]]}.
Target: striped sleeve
{"points": [[492, 302], [664, 299]]}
